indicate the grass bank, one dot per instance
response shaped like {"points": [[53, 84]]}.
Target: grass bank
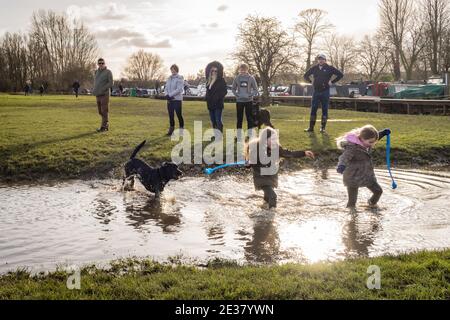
{"points": [[422, 275], [54, 136]]}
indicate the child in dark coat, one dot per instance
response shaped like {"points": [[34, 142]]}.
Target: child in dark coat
{"points": [[356, 162], [265, 144]]}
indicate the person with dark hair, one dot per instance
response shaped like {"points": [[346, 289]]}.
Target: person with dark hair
{"points": [[41, 90], [102, 84], [216, 90], [322, 73], [174, 95], [76, 87]]}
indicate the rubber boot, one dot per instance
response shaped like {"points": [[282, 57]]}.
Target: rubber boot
{"points": [[170, 131], [312, 123], [323, 125]]}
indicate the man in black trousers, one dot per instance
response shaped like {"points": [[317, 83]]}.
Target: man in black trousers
{"points": [[322, 73]]}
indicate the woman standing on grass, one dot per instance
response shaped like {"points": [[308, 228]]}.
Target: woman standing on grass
{"points": [[216, 90], [174, 95]]}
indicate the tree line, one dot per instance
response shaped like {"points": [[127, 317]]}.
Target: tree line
{"points": [[411, 42], [55, 52]]}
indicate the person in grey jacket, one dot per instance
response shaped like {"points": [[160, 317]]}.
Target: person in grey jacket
{"points": [[102, 84], [245, 89], [174, 95]]}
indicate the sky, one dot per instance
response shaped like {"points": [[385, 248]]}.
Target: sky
{"points": [[190, 33]]}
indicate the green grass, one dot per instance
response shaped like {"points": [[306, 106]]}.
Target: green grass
{"points": [[423, 275], [55, 136]]}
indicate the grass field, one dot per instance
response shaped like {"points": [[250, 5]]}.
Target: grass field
{"points": [[423, 275], [54, 136]]}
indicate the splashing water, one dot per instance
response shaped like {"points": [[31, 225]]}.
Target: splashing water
{"points": [[202, 218]]}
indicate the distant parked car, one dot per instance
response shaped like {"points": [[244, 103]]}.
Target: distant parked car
{"points": [[192, 91], [115, 93], [86, 91], [229, 92], [280, 91], [201, 90]]}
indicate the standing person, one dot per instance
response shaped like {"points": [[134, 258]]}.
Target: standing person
{"points": [[216, 90], [322, 73], [76, 87], [41, 89], [102, 84], [356, 165], [174, 95], [245, 89], [120, 89], [26, 89]]}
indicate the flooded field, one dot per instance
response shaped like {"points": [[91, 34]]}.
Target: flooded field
{"points": [[201, 218]]}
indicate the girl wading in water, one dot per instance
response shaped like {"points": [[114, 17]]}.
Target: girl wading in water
{"points": [[356, 163], [268, 141]]}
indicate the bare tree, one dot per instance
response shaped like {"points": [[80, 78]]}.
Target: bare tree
{"points": [[15, 56], [437, 22], [65, 48], [446, 52], [266, 47], [341, 51], [395, 18], [311, 26], [144, 66], [372, 57], [413, 45]]}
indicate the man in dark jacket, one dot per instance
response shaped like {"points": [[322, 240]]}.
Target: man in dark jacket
{"points": [[216, 90], [103, 82], [322, 73], [76, 87]]}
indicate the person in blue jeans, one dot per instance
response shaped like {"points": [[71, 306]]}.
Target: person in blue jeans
{"points": [[216, 90], [174, 95], [322, 73]]}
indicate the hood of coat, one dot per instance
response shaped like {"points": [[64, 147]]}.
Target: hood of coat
{"points": [[219, 67]]}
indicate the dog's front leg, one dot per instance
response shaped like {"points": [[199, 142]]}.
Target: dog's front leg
{"points": [[128, 183]]}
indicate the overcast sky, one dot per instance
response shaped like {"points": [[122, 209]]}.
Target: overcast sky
{"points": [[190, 33]]}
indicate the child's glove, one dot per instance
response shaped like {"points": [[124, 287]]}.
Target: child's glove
{"points": [[340, 169], [384, 133]]}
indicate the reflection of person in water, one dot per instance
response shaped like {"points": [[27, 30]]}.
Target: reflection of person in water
{"points": [[358, 238], [140, 214], [265, 245]]}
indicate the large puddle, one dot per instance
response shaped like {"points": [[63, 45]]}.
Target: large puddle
{"points": [[79, 222]]}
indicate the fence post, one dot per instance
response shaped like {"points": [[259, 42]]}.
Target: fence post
{"points": [[407, 107]]}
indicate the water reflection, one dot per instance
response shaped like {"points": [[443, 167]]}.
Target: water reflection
{"points": [[205, 218], [147, 210], [264, 247], [358, 235], [103, 209]]}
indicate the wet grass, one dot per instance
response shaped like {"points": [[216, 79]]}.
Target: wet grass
{"points": [[54, 136], [422, 275]]}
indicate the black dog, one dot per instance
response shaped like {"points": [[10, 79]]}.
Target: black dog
{"points": [[153, 179]]}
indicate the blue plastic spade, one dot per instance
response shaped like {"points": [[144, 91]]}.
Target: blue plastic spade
{"points": [[210, 171], [388, 160]]}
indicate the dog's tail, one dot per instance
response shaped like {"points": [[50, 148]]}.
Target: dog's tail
{"points": [[138, 148]]}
